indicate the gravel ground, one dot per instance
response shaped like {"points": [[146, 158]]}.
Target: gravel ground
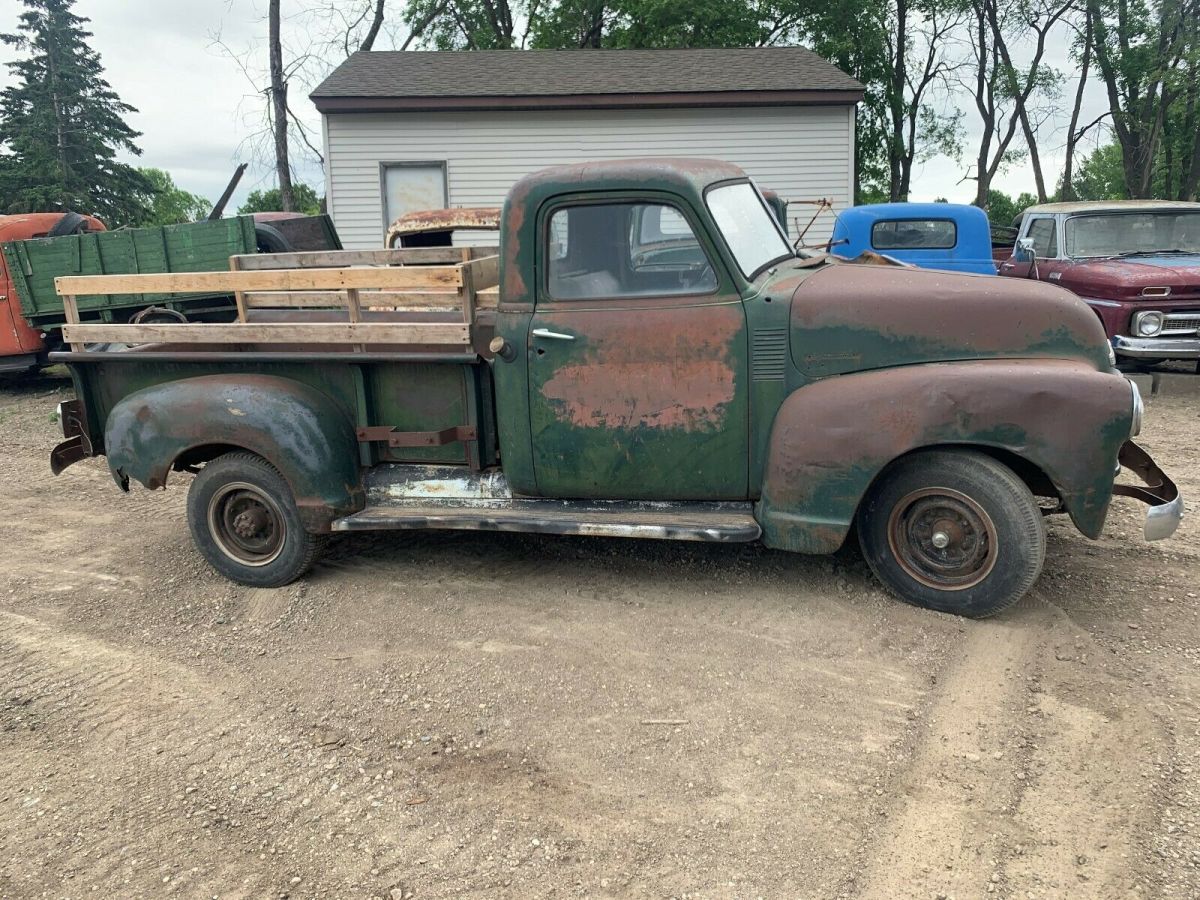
{"points": [[497, 715]]}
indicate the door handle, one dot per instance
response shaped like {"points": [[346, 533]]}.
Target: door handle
{"points": [[556, 335]]}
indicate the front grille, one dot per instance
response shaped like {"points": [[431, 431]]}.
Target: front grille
{"points": [[1181, 323]]}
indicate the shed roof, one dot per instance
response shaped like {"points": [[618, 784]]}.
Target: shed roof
{"points": [[480, 79]]}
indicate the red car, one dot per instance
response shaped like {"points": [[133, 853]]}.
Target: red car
{"points": [[1136, 263]]}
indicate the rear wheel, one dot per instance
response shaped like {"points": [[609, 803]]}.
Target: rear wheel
{"points": [[954, 531], [245, 522]]}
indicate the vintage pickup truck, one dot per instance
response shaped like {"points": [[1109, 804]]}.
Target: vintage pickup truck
{"points": [[949, 236], [1136, 263], [646, 357]]}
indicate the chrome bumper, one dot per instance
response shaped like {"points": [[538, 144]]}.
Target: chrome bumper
{"points": [[1157, 347], [1159, 492]]}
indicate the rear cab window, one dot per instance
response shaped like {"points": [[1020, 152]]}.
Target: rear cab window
{"points": [[914, 234]]}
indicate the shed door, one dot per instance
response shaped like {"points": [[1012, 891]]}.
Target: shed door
{"points": [[411, 187]]}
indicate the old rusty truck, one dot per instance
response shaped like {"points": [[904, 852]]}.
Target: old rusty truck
{"points": [[645, 356]]}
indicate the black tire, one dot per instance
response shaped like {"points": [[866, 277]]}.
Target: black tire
{"points": [[270, 239], [244, 521], [70, 223], [954, 531]]}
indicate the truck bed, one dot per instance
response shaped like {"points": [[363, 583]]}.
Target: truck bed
{"points": [[394, 337]]}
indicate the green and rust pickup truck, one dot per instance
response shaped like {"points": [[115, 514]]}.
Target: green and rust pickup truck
{"points": [[653, 361]]}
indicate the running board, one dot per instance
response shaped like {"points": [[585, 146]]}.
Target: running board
{"points": [[453, 497], [725, 522]]}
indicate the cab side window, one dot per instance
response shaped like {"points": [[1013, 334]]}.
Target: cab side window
{"points": [[1045, 238], [599, 251]]}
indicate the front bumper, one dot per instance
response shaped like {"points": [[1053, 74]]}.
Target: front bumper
{"points": [[1159, 492], [1157, 347]]}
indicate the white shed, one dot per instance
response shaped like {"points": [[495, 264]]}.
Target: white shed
{"points": [[423, 130]]}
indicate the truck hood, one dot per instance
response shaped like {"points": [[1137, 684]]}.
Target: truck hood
{"points": [[1124, 279], [851, 318]]}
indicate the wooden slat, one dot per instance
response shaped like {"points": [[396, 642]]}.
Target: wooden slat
{"points": [[402, 300], [239, 297], [270, 280], [336, 258], [272, 333], [486, 271]]}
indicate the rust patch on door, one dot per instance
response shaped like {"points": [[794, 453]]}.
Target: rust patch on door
{"points": [[662, 369]]}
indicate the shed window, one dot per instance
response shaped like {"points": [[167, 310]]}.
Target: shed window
{"points": [[612, 250], [914, 234]]}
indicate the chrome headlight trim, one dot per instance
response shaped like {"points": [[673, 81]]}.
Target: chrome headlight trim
{"points": [[1148, 323]]}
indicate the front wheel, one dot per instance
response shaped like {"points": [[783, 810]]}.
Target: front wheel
{"points": [[244, 521], [954, 531]]}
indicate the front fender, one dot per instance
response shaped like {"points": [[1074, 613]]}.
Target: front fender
{"points": [[299, 430], [833, 437]]}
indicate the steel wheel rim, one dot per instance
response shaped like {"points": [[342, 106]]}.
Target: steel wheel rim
{"points": [[943, 539], [246, 524]]}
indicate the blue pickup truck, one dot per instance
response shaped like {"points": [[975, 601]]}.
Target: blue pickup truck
{"points": [[949, 236]]}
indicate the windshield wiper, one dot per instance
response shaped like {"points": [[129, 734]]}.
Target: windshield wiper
{"points": [[1162, 252]]}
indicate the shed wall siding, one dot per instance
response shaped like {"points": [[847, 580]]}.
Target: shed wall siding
{"points": [[804, 153]]}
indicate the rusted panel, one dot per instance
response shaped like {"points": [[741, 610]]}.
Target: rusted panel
{"points": [[429, 221], [300, 431], [832, 438], [643, 403], [849, 318]]}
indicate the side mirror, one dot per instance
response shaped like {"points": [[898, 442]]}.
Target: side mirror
{"points": [[1024, 250]]}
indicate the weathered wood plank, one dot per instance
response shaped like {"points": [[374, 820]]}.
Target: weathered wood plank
{"points": [[334, 258], [486, 271], [400, 300], [273, 333], [269, 280]]}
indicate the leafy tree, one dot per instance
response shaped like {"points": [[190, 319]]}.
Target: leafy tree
{"points": [[1003, 209], [62, 125], [306, 200], [1101, 174], [169, 204]]}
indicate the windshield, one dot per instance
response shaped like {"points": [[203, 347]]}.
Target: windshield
{"points": [[748, 227], [1129, 234]]}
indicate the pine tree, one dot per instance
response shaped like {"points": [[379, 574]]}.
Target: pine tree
{"points": [[62, 125]]}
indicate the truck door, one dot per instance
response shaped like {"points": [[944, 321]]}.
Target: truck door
{"points": [[1044, 231], [637, 356]]}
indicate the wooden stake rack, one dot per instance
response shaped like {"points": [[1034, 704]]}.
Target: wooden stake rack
{"points": [[393, 283]]}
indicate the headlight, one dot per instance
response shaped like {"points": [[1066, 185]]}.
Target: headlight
{"points": [[1147, 324], [1135, 426]]}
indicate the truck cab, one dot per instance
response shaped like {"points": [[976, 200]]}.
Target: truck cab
{"points": [[948, 236], [655, 361], [1136, 263]]}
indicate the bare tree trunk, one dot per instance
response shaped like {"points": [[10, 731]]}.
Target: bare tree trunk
{"points": [[376, 24], [898, 189], [279, 110], [1189, 176], [1073, 135]]}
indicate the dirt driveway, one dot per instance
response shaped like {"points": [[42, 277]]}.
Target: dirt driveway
{"points": [[477, 715]]}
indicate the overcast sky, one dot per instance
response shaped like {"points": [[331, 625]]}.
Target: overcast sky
{"points": [[197, 110]]}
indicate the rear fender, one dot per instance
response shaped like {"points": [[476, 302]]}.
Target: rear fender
{"points": [[302, 432], [832, 438]]}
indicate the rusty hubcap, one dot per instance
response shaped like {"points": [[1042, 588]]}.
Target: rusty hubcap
{"points": [[943, 539], [246, 524]]}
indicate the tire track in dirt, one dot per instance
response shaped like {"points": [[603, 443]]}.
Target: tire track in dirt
{"points": [[177, 773], [1013, 789]]}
